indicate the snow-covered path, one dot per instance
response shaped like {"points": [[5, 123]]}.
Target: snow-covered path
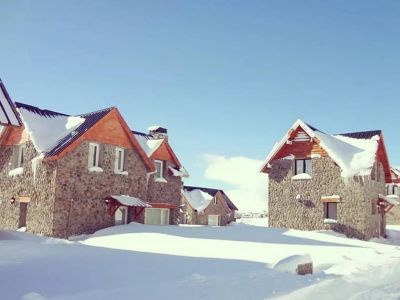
{"points": [[234, 262]]}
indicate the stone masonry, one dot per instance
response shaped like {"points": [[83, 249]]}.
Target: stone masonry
{"points": [[297, 203]]}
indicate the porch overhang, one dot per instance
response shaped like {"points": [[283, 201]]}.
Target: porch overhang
{"points": [[386, 202], [124, 200]]}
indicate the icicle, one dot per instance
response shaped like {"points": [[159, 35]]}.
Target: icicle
{"points": [[35, 164]]}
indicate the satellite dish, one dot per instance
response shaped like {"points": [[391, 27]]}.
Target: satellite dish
{"points": [[8, 114]]}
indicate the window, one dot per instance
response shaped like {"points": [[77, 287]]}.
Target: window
{"points": [[159, 168], [19, 156], [388, 189], [395, 189], [215, 200], [330, 210], [303, 166], [94, 150], [156, 216], [119, 160]]}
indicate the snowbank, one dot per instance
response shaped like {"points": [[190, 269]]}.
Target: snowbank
{"points": [[290, 264]]}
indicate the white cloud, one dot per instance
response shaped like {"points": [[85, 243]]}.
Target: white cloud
{"points": [[249, 192]]}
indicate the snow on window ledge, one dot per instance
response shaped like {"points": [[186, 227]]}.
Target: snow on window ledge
{"points": [[121, 172], [330, 221], [16, 172], [160, 179], [302, 176], [95, 170]]}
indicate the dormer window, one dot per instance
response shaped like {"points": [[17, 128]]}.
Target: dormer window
{"points": [[119, 159], [94, 150], [159, 169], [303, 166]]}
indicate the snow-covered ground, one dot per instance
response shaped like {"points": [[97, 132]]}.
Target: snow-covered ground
{"points": [[174, 262]]}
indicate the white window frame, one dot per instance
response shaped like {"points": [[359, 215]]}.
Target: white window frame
{"points": [[94, 161], [213, 216], [167, 210], [161, 163], [303, 168], [215, 200], [120, 168]]}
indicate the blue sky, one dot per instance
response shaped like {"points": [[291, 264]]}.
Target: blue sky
{"points": [[227, 78]]}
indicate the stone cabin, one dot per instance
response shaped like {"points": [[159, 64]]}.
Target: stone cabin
{"points": [[319, 181], [393, 191], [63, 175], [205, 206]]}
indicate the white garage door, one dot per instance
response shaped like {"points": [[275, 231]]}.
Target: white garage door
{"points": [[214, 220], [156, 216]]}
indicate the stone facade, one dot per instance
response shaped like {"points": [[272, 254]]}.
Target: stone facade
{"points": [[297, 203], [39, 187], [219, 208], [67, 199], [166, 192]]}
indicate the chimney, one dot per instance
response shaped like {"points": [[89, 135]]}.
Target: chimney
{"points": [[158, 132]]}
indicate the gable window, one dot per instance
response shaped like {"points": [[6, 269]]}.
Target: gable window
{"points": [[303, 166], [94, 150], [330, 210], [159, 169], [19, 156], [119, 159], [215, 200]]}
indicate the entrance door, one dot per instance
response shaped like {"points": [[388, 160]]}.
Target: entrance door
{"points": [[121, 215], [214, 220], [23, 209]]}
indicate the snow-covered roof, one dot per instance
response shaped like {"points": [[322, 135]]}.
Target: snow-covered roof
{"points": [[8, 114], [51, 132], [395, 171], [130, 201], [47, 131], [181, 172], [212, 193], [198, 199], [354, 156], [148, 145]]}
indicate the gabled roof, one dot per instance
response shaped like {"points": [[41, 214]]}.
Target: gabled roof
{"points": [[355, 152], [150, 144], [48, 128], [8, 114], [54, 134], [212, 193]]}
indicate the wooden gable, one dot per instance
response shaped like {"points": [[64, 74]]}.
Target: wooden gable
{"points": [[301, 145], [383, 159], [14, 136], [113, 130], [165, 153]]}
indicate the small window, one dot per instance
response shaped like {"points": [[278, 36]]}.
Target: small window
{"points": [[395, 189], [215, 200], [159, 168], [19, 156], [330, 210], [119, 159], [303, 166], [94, 150]]}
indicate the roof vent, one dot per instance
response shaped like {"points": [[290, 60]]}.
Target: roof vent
{"points": [[301, 137]]}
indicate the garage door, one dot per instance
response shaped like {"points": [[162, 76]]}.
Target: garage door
{"points": [[156, 216], [214, 220]]}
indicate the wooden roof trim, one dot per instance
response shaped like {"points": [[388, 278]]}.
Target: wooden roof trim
{"points": [[381, 143], [170, 151], [149, 163]]}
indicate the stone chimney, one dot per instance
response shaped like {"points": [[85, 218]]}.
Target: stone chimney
{"points": [[158, 132]]}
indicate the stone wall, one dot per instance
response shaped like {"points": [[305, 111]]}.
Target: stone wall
{"points": [[221, 209], [166, 192], [297, 203], [40, 188], [79, 201]]}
